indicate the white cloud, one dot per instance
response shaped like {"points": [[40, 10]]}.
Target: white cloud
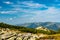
{"points": [[14, 17], [17, 7], [33, 5], [10, 18], [8, 12], [8, 2], [0, 6], [51, 14], [29, 4], [47, 15], [41, 15]]}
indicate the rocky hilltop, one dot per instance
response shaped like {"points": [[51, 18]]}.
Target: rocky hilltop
{"points": [[11, 32]]}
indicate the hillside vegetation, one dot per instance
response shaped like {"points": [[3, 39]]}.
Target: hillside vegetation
{"points": [[16, 32], [24, 29]]}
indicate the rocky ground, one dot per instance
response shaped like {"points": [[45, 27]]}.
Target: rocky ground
{"points": [[8, 34]]}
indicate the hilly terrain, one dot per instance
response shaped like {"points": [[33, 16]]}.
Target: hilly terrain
{"points": [[49, 25], [26, 29], [13, 32]]}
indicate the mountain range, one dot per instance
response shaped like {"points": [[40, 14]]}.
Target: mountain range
{"points": [[49, 25]]}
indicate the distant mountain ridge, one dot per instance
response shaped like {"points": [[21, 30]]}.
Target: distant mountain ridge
{"points": [[27, 30], [49, 25]]}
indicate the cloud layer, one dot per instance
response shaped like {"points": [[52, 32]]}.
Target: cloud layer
{"points": [[30, 11]]}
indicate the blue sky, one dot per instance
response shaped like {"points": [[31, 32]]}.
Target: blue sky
{"points": [[27, 11]]}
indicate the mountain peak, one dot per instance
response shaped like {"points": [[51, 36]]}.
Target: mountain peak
{"points": [[48, 25]]}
